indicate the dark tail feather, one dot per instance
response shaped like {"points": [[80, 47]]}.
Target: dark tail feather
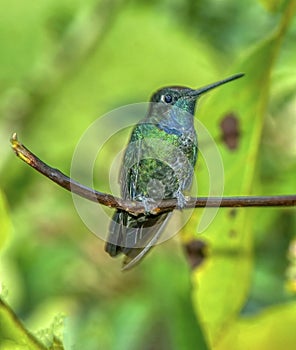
{"points": [[113, 246], [134, 236]]}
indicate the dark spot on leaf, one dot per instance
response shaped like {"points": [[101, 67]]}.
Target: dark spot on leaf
{"points": [[195, 251], [232, 213], [232, 234], [230, 131]]}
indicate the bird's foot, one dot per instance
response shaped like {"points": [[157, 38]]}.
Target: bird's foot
{"points": [[149, 204], [181, 199]]}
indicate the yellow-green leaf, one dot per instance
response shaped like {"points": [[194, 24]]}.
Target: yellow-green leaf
{"points": [[221, 285], [13, 335]]}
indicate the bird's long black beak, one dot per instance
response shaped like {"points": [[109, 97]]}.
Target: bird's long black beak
{"points": [[206, 88]]}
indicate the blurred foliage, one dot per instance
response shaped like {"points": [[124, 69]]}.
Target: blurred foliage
{"points": [[64, 63]]}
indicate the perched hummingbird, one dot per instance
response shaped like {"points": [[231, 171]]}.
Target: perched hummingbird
{"points": [[158, 164]]}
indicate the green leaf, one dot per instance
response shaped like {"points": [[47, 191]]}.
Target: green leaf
{"points": [[222, 284], [13, 335], [273, 5], [266, 331]]}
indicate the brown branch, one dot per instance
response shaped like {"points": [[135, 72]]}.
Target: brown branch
{"points": [[137, 208]]}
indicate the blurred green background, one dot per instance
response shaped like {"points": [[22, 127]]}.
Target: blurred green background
{"points": [[63, 64]]}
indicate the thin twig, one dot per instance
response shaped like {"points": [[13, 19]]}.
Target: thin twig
{"points": [[137, 208]]}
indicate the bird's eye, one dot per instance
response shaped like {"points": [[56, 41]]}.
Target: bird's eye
{"points": [[167, 98]]}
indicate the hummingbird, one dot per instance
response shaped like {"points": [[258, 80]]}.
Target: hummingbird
{"points": [[158, 164]]}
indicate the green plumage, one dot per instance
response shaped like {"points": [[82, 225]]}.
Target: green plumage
{"points": [[157, 150], [158, 164]]}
